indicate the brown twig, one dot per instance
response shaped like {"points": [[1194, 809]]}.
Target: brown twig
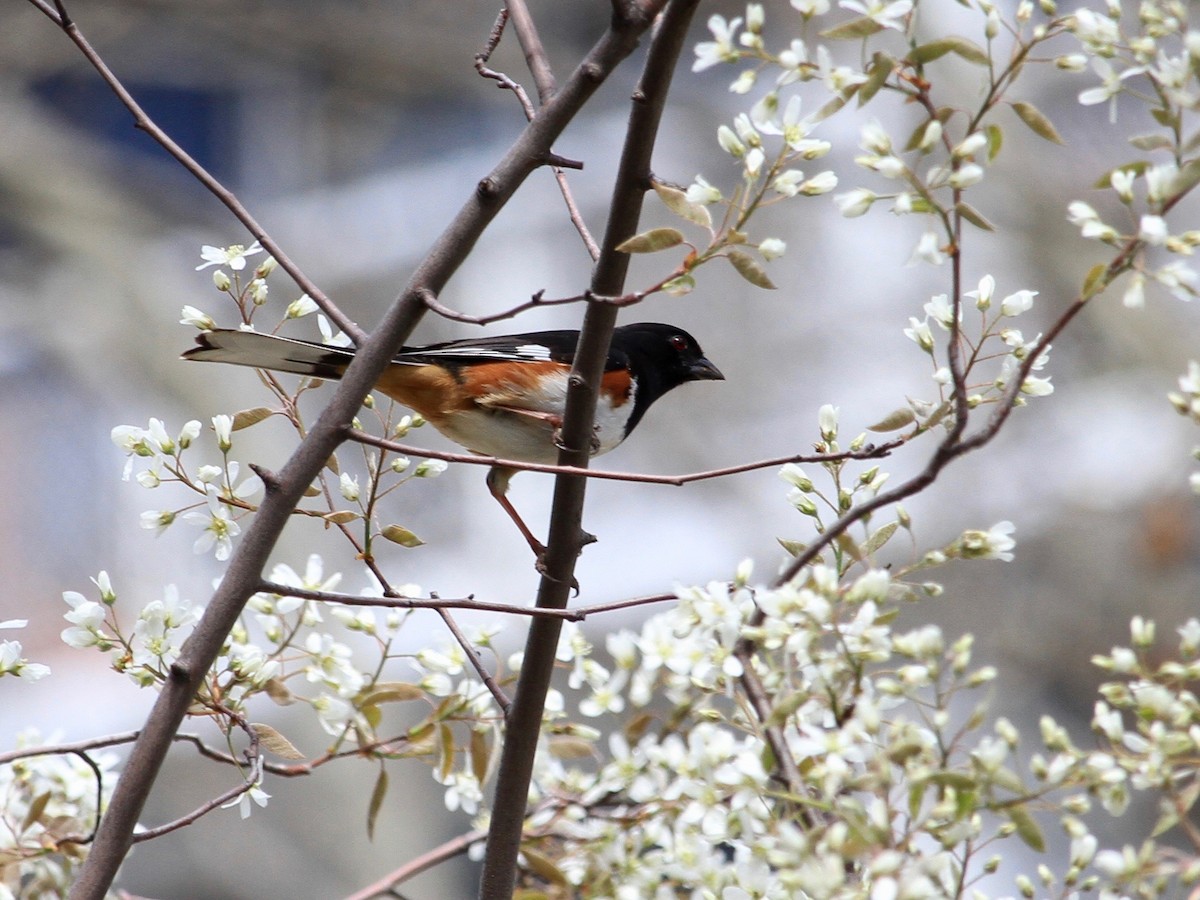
{"points": [[868, 452], [539, 67], [524, 722], [438, 855], [143, 122]]}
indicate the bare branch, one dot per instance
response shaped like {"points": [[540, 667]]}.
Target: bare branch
{"points": [[531, 44], [143, 122], [869, 452], [535, 57], [476, 663], [524, 720], [450, 849]]}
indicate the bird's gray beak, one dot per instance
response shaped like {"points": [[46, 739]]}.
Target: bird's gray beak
{"points": [[703, 370]]}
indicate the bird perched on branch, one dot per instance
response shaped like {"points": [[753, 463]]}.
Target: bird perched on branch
{"points": [[501, 396]]}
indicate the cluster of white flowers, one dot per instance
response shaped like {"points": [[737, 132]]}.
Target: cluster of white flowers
{"points": [[1150, 58], [1187, 403], [49, 812], [224, 494], [11, 661], [940, 311]]}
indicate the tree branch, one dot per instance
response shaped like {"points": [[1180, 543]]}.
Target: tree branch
{"points": [[868, 452], [524, 722], [424, 862], [144, 123]]}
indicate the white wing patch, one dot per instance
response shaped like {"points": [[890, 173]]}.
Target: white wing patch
{"points": [[523, 353]]}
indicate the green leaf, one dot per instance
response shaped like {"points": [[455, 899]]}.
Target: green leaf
{"points": [[974, 216], [855, 29], [391, 692], [398, 534], [543, 867], [341, 517], [247, 417], [652, 241], [1164, 117], [272, 740], [36, 808], [1095, 281], [793, 548], [565, 746], [378, 793], [877, 75], [278, 691], [1188, 178], [1028, 829], [995, 137], [677, 287], [782, 711], [332, 464], [749, 269], [895, 420], [937, 415], [1037, 122], [969, 51], [1151, 142], [446, 741], [959, 46], [829, 108], [960, 781], [480, 754], [880, 537], [677, 202]]}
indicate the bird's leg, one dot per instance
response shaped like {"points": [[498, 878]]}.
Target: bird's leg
{"points": [[497, 482]]}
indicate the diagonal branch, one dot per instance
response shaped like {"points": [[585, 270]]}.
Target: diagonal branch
{"points": [[144, 123], [285, 490]]}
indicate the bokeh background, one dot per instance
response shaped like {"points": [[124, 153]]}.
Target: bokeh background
{"points": [[354, 131]]}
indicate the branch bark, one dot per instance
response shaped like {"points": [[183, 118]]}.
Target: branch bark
{"points": [[524, 720]]}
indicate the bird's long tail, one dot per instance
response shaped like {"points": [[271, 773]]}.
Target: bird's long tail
{"points": [[268, 351]]}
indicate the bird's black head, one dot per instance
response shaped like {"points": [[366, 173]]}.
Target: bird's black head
{"points": [[661, 357]]}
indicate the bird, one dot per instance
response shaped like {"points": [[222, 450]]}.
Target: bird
{"points": [[502, 396]]}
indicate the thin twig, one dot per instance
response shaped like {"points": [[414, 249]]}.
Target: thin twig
{"points": [[485, 676], [439, 854], [535, 54], [143, 122], [871, 451], [524, 722], [467, 603], [535, 57]]}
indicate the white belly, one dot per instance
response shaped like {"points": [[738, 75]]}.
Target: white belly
{"points": [[514, 435]]}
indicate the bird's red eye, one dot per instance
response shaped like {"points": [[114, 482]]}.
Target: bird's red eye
{"points": [[679, 342]]}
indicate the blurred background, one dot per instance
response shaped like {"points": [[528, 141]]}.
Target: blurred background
{"points": [[353, 132]]}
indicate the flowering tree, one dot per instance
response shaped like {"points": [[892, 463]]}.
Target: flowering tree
{"points": [[776, 737]]}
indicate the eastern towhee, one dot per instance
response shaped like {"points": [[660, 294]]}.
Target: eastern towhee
{"points": [[500, 396]]}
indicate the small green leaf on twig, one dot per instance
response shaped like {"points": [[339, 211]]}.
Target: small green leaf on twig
{"points": [[853, 30], [749, 269], [677, 202], [272, 740], [1037, 121], [248, 417], [398, 534], [895, 420], [652, 241]]}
